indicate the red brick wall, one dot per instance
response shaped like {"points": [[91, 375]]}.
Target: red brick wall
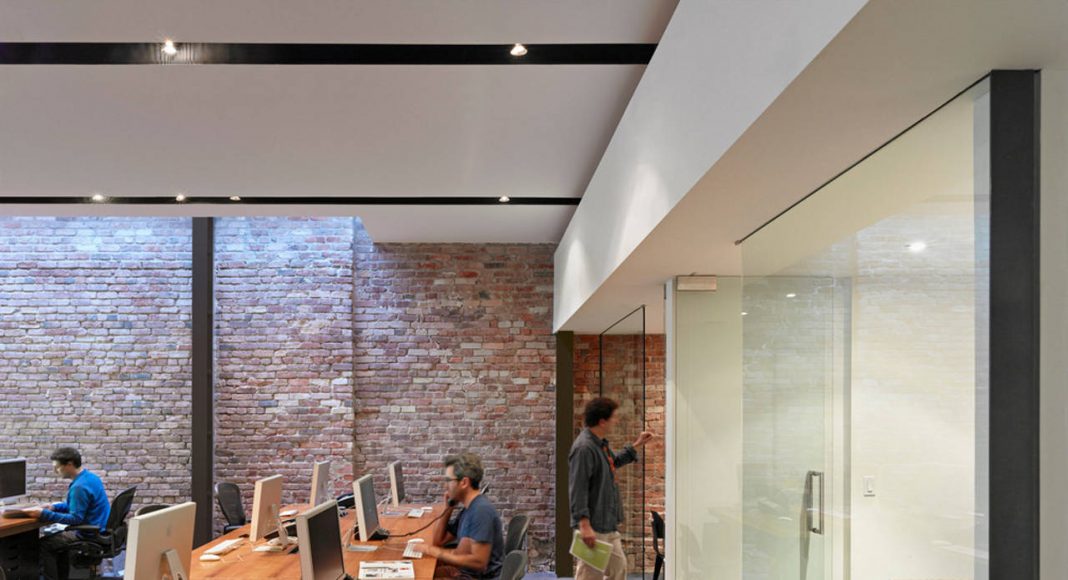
{"points": [[455, 353], [622, 362], [95, 350]]}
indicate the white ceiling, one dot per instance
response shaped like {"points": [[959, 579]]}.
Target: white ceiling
{"points": [[320, 130], [896, 61]]}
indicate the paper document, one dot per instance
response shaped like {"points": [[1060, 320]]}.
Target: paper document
{"points": [[597, 557], [395, 569]]}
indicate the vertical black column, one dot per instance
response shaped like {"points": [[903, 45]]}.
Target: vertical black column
{"points": [[565, 433], [203, 452], [1014, 325]]}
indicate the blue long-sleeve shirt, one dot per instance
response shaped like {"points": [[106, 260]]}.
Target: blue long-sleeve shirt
{"points": [[87, 503]]}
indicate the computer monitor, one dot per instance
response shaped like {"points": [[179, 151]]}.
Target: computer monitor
{"points": [[366, 508], [396, 483], [12, 479], [319, 538], [161, 544], [320, 490], [265, 505]]}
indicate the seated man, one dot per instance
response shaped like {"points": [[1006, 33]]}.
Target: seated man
{"points": [[87, 504], [480, 552]]}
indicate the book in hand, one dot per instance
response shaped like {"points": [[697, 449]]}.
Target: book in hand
{"points": [[598, 556], [399, 569]]}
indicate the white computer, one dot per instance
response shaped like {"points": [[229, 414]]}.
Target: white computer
{"points": [[319, 533], [160, 544], [367, 510], [266, 506], [396, 483], [320, 489]]}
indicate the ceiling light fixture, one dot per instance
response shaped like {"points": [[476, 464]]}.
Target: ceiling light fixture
{"points": [[98, 197], [235, 198], [179, 197], [518, 50], [917, 247], [504, 199], [745, 314], [791, 295], [168, 48]]}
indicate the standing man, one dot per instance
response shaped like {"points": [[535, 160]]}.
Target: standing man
{"points": [[87, 503], [596, 508], [480, 553]]}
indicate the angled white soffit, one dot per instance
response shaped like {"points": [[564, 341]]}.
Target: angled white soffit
{"points": [[658, 213]]}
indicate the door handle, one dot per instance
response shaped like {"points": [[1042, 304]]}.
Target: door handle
{"points": [[818, 509]]}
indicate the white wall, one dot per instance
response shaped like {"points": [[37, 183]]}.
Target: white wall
{"points": [[705, 420], [1054, 330], [719, 65]]}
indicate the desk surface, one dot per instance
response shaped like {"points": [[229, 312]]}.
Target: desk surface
{"points": [[12, 526], [245, 563]]}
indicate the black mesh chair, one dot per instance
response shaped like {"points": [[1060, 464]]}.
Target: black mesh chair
{"points": [[658, 536], [515, 566], [147, 509], [97, 545], [229, 497], [517, 533]]}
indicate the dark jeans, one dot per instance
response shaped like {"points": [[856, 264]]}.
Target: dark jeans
{"points": [[55, 563]]}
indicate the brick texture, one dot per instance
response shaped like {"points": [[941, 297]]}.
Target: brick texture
{"points": [[622, 382], [95, 350]]}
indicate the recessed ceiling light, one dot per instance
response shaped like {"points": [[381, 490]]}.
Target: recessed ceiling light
{"points": [[791, 295], [745, 314], [518, 50], [235, 198], [179, 197], [504, 199], [168, 48], [917, 247], [98, 197]]}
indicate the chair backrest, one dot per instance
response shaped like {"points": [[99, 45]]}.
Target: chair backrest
{"points": [[229, 497], [120, 508], [517, 533], [658, 531], [515, 565], [147, 509]]}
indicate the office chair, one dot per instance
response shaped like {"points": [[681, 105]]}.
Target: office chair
{"points": [[98, 545], [515, 566], [658, 536], [517, 533], [147, 509], [229, 497]]}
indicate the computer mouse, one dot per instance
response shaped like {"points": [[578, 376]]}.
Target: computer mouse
{"points": [[210, 558]]}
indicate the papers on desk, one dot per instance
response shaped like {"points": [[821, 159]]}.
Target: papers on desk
{"points": [[597, 556], [386, 570], [16, 513]]}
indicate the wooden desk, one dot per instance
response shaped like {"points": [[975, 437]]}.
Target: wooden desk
{"points": [[245, 563], [18, 548], [12, 526]]}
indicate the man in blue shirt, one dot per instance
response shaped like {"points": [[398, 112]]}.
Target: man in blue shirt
{"points": [[87, 504], [480, 553]]}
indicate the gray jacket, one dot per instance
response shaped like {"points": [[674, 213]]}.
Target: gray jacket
{"points": [[592, 487]]}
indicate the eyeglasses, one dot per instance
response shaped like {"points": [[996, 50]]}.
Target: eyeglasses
{"points": [[446, 480]]}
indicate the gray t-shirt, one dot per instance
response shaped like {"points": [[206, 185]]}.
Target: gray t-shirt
{"points": [[481, 522]]}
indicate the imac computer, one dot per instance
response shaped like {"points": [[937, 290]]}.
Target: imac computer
{"points": [[396, 483], [367, 510], [266, 504], [161, 544], [320, 490], [12, 480], [319, 537]]}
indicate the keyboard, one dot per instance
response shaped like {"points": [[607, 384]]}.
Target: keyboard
{"points": [[412, 549], [225, 547], [11, 514]]}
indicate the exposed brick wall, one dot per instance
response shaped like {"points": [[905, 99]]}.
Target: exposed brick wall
{"points": [[455, 353], [283, 352], [95, 350], [622, 362]]}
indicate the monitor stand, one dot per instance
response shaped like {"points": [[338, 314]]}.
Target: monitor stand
{"points": [[175, 565], [283, 538]]}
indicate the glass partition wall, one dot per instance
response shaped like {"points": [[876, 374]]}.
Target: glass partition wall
{"points": [[851, 357], [623, 378]]}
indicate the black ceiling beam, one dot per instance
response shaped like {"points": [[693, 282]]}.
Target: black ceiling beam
{"points": [[150, 53], [404, 201]]}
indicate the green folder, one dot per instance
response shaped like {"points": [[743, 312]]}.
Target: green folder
{"points": [[597, 557]]}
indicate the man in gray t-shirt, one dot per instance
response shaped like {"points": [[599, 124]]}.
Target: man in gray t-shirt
{"points": [[596, 509], [480, 553]]}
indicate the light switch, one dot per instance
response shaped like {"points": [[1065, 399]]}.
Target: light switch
{"points": [[869, 486]]}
